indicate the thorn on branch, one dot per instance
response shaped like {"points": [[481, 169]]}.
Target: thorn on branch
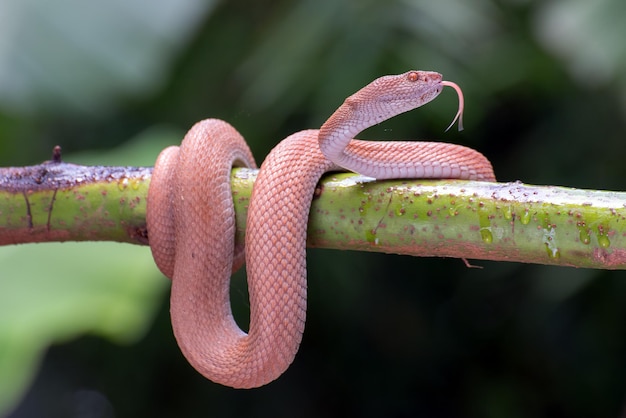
{"points": [[56, 154], [470, 265]]}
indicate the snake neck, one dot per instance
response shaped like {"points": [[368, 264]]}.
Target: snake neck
{"points": [[380, 100]]}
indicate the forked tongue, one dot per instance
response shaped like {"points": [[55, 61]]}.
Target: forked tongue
{"points": [[459, 113]]}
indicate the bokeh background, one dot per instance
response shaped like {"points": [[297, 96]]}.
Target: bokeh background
{"points": [[84, 329]]}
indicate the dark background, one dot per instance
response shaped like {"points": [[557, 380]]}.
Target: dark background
{"points": [[386, 335]]}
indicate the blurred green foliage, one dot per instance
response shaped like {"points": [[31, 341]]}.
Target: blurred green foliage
{"points": [[545, 89]]}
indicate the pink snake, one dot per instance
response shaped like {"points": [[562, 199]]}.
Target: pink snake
{"points": [[191, 222]]}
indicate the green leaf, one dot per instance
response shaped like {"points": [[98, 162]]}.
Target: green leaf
{"points": [[50, 293], [114, 49]]}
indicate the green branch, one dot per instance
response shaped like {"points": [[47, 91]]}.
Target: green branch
{"points": [[56, 201]]}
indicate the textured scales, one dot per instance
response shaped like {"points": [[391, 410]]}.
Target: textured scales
{"points": [[192, 240]]}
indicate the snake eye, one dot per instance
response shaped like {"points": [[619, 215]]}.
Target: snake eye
{"points": [[413, 76]]}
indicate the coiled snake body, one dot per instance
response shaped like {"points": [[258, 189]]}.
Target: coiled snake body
{"points": [[192, 239]]}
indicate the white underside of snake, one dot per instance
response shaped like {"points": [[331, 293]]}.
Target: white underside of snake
{"points": [[192, 239]]}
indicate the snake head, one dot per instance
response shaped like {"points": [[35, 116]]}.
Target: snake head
{"points": [[392, 95], [406, 91]]}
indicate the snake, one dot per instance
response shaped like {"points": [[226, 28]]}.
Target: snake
{"points": [[191, 221]]}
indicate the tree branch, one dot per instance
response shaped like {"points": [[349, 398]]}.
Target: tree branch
{"points": [[56, 201]]}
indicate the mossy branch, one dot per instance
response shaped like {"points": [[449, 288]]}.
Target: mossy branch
{"points": [[56, 201]]}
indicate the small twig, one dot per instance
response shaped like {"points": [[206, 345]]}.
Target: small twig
{"points": [[56, 154]]}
